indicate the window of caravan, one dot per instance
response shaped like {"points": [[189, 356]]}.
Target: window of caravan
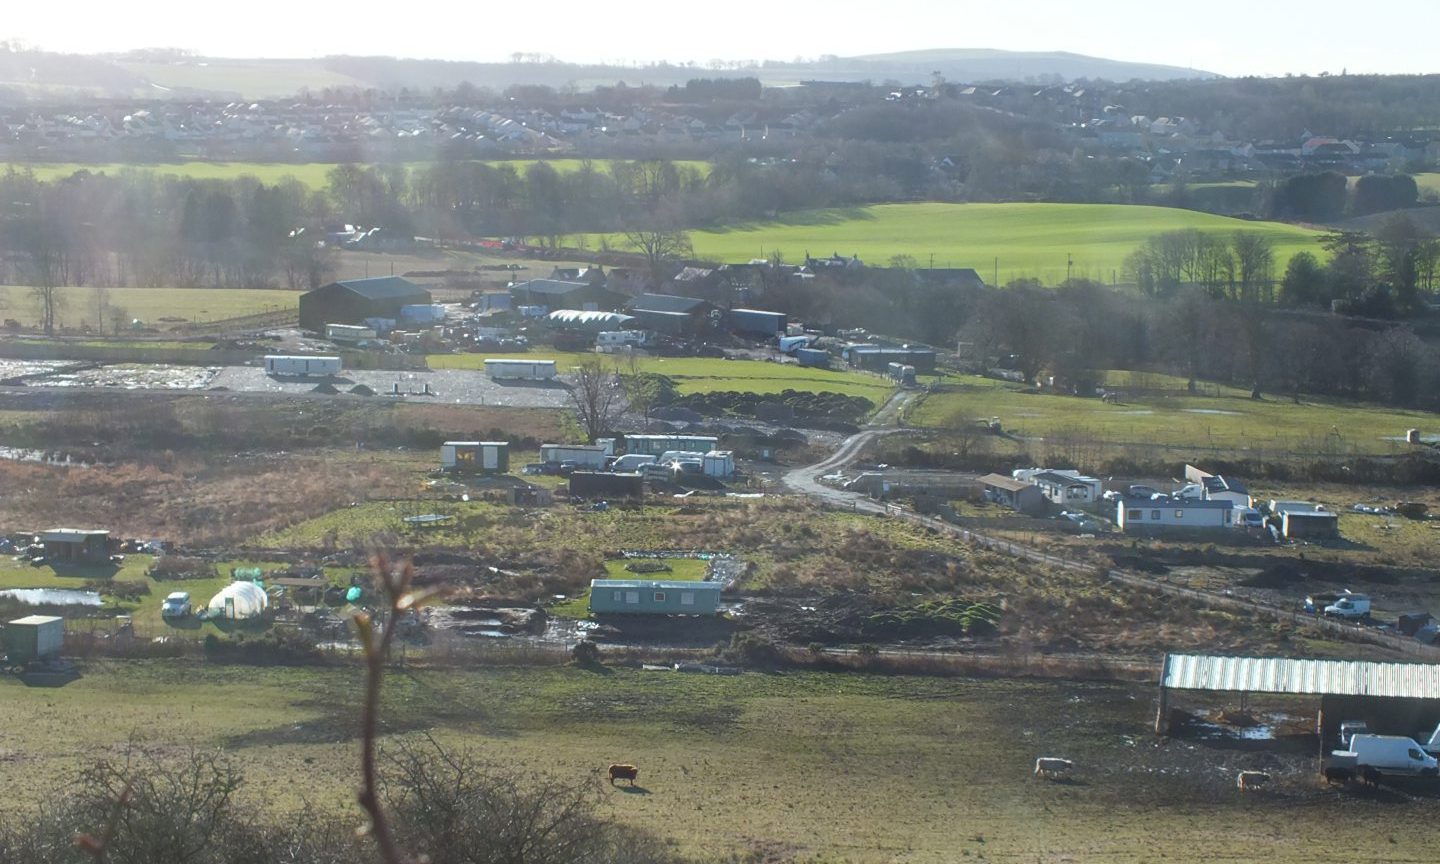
{"points": [[687, 598]]}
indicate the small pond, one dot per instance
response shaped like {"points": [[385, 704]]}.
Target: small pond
{"points": [[53, 596]]}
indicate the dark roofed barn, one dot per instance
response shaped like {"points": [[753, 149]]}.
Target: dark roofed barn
{"points": [[353, 300], [671, 313], [563, 294]]}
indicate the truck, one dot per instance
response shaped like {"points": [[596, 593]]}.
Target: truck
{"points": [[1348, 605], [301, 366], [1381, 754]]}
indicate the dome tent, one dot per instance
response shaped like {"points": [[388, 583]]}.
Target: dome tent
{"points": [[239, 600]]}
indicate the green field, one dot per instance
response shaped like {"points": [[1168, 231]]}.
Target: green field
{"points": [[708, 375], [1030, 240], [312, 174], [793, 765], [78, 306], [1220, 417]]}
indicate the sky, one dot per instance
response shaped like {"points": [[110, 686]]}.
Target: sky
{"points": [[1231, 37]]}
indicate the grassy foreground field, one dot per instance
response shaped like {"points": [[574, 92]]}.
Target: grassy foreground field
{"points": [[1030, 240], [1223, 417], [312, 174], [78, 305], [790, 766], [707, 375]]}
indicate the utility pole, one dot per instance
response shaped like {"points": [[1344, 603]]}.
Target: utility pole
{"points": [[1069, 265], [996, 283]]}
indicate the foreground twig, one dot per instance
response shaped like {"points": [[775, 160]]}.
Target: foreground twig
{"points": [[376, 639], [99, 848]]}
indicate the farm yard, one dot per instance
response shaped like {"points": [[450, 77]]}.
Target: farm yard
{"points": [[915, 768], [1030, 240]]}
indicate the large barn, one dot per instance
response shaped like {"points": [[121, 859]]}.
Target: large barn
{"points": [[353, 300]]}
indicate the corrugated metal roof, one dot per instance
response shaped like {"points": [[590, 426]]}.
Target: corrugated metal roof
{"points": [[1294, 675]]}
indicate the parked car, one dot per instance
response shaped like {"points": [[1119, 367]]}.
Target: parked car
{"points": [[176, 605]]}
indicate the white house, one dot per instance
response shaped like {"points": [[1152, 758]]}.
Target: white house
{"points": [[1064, 488], [1169, 514]]}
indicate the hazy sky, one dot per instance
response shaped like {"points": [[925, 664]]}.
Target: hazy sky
{"points": [[1233, 37]]}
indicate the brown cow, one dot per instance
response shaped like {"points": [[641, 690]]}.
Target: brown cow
{"points": [[623, 772]]}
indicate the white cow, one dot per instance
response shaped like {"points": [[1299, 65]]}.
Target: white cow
{"points": [[1052, 768]]}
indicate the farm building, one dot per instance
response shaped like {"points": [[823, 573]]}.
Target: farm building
{"points": [[584, 455], [1015, 494], [672, 314], [644, 597], [584, 321], [354, 300], [654, 445], [1391, 698], [595, 484], [1302, 520], [1172, 514], [471, 457], [562, 294], [755, 322], [874, 358], [1063, 488], [79, 545]]}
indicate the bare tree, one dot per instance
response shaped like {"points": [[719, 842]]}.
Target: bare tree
{"points": [[659, 243], [595, 395]]}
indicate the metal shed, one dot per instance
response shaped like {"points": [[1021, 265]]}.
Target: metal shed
{"points": [[483, 457], [85, 545], [1399, 698], [644, 597]]}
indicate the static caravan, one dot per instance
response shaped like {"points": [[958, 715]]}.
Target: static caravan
{"points": [[644, 597], [469, 457], [520, 370], [349, 334], [1172, 514], [654, 445], [583, 455], [619, 339], [302, 366]]}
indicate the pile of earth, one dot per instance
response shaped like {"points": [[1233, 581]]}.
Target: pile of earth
{"points": [[362, 390], [325, 387]]}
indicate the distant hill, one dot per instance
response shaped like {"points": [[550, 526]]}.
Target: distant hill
{"points": [[32, 76]]}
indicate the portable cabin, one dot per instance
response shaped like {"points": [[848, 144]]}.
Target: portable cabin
{"points": [[1173, 514], [76, 545], [33, 637], [645, 597], [301, 366], [475, 457], [718, 463], [522, 370], [584, 455], [1309, 525]]}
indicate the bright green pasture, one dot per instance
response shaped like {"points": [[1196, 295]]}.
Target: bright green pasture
{"points": [[80, 306], [706, 374], [1220, 417], [1029, 240]]}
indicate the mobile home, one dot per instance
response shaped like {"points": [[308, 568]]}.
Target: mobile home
{"points": [[1172, 514], [521, 370], [581, 454], [302, 366], [644, 597], [654, 445]]}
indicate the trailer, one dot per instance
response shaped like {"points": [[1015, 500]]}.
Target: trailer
{"points": [[349, 334], [654, 445], [520, 370], [583, 456], [301, 366], [468, 457]]}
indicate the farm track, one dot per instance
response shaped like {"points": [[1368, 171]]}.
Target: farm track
{"points": [[806, 482]]}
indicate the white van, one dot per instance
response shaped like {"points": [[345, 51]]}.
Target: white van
{"points": [[1392, 754], [1347, 605]]}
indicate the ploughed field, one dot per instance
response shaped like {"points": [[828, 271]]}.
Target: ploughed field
{"points": [[800, 765]]}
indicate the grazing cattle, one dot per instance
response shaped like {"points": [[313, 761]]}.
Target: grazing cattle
{"points": [[1338, 774], [1247, 781], [623, 772], [1051, 768]]}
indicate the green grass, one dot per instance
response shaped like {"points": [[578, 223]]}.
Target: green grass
{"points": [[146, 612], [822, 766], [708, 375], [1030, 240], [682, 569], [1223, 418], [311, 174], [78, 305]]}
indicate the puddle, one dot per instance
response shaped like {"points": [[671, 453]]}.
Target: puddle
{"points": [[1138, 413], [53, 596], [1211, 411]]}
